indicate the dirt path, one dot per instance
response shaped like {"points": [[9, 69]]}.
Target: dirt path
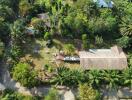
{"points": [[8, 82]]}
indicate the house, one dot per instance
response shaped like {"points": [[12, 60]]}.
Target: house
{"points": [[104, 3], [111, 59]]}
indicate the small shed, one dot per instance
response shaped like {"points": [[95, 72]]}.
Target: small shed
{"points": [[113, 58]]}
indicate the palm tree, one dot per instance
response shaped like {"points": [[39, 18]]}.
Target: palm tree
{"points": [[126, 26]]}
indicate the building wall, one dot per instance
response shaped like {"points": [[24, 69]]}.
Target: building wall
{"points": [[103, 63]]}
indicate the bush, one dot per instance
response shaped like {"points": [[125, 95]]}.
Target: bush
{"points": [[68, 77], [85, 41], [23, 74], [98, 40], [88, 93], [52, 95], [47, 36], [12, 95], [124, 41], [69, 49], [39, 24]]}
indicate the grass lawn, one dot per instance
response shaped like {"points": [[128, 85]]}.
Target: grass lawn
{"points": [[45, 55]]}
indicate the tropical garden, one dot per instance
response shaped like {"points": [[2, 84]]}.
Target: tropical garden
{"points": [[28, 43]]}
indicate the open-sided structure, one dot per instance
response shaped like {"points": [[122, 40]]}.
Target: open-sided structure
{"points": [[113, 58]]}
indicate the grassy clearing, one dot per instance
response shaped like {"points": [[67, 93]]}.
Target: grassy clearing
{"points": [[45, 55]]}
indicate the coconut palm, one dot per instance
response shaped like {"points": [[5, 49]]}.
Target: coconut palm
{"points": [[126, 26]]}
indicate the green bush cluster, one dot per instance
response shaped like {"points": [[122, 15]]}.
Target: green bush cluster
{"points": [[23, 73], [95, 78], [12, 95]]}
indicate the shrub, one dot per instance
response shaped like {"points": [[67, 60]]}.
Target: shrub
{"points": [[12, 95], [47, 36], [88, 93], [68, 77], [124, 41], [52, 95], [85, 41], [23, 74], [98, 40], [69, 49]]}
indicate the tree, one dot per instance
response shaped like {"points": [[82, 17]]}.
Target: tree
{"points": [[25, 75], [85, 41], [39, 25], [124, 41], [88, 93], [18, 31], [7, 13], [24, 8], [126, 26], [4, 30]]}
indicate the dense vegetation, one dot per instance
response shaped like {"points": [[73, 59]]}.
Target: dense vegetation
{"points": [[95, 27]]}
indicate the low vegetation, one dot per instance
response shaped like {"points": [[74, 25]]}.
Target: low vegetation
{"points": [[30, 44]]}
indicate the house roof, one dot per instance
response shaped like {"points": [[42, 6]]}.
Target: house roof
{"points": [[104, 3], [114, 52], [113, 58]]}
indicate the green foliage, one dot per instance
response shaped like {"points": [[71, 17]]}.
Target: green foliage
{"points": [[52, 95], [39, 25], [25, 75], [94, 78], [124, 41], [47, 36], [1, 48], [88, 93], [85, 41], [12, 95], [98, 40], [17, 31], [69, 49], [111, 77], [68, 77], [15, 52], [127, 77], [24, 7], [126, 26]]}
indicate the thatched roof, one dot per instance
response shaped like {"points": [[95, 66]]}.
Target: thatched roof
{"points": [[113, 58]]}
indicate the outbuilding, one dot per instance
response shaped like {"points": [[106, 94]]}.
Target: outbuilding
{"points": [[112, 59]]}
